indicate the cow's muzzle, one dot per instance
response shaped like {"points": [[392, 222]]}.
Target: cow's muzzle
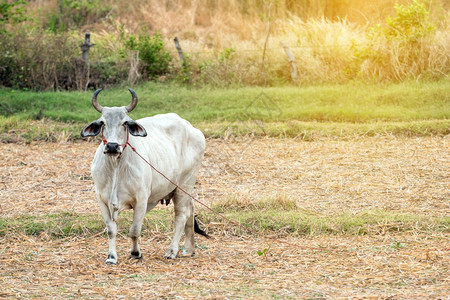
{"points": [[112, 148]]}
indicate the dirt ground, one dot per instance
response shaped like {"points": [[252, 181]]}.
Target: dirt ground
{"points": [[326, 176]]}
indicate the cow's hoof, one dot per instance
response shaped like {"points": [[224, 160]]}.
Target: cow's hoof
{"points": [[170, 254], [136, 255], [111, 260], [187, 253]]}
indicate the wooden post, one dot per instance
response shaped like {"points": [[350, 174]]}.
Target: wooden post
{"points": [[267, 31], [180, 51], [291, 60], [186, 72], [85, 56], [85, 47]]}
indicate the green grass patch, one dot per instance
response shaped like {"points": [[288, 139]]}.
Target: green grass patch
{"points": [[280, 214], [266, 219], [61, 225], [299, 222], [416, 108]]}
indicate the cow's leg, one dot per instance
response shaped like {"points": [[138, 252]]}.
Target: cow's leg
{"points": [[181, 202], [189, 244], [112, 233], [135, 231]]}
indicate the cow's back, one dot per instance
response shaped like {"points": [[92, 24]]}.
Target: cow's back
{"points": [[175, 141], [175, 129], [172, 125]]}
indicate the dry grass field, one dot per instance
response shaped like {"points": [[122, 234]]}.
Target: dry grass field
{"points": [[324, 177]]}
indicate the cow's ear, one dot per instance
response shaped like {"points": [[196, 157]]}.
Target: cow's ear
{"points": [[135, 128], [92, 129]]}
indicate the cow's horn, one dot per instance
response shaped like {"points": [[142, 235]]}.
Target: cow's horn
{"points": [[97, 106], [134, 101]]}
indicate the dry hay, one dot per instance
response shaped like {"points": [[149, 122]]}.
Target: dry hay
{"points": [[328, 177], [407, 174], [224, 268]]}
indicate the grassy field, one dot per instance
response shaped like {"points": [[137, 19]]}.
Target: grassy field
{"points": [[361, 208], [411, 108]]}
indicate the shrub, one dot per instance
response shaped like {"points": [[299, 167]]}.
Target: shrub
{"points": [[38, 60], [411, 24], [155, 59], [405, 47], [108, 72], [41, 60]]}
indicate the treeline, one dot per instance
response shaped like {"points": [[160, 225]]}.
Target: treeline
{"points": [[225, 42]]}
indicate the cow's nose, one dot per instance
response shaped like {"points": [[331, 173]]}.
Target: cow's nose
{"points": [[112, 148]]}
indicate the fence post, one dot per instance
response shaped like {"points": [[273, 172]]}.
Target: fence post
{"points": [[85, 47], [180, 51], [291, 60], [269, 6], [85, 56]]}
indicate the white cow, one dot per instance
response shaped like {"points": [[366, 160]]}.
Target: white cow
{"points": [[124, 181]]}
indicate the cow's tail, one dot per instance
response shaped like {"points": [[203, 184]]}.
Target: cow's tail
{"points": [[198, 230]]}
